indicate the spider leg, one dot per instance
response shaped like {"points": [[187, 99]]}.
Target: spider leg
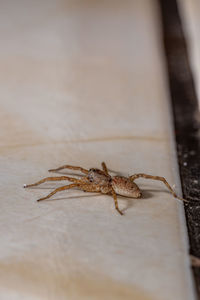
{"points": [[98, 188], [53, 179], [89, 187], [116, 202], [62, 188], [69, 167], [135, 176], [104, 167]]}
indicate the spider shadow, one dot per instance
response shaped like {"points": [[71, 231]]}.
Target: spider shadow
{"points": [[130, 201], [146, 194], [73, 197]]}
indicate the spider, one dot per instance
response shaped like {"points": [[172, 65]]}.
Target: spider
{"points": [[96, 180]]}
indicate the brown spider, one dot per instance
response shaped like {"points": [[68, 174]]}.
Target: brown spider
{"points": [[100, 181]]}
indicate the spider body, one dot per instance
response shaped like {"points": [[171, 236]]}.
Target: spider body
{"points": [[121, 185], [96, 180], [125, 187]]}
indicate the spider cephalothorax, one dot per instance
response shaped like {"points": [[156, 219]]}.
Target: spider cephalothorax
{"points": [[100, 181], [98, 177]]}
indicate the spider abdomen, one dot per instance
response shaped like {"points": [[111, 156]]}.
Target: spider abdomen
{"points": [[125, 187]]}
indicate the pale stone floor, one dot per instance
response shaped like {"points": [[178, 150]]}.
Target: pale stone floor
{"points": [[83, 82]]}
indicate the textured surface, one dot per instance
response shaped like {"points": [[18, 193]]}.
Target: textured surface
{"points": [[185, 108], [83, 82]]}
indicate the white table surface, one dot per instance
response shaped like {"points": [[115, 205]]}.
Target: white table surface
{"points": [[83, 82]]}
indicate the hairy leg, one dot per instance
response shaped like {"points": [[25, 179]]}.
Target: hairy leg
{"points": [[116, 202], [97, 188], [53, 179], [62, 188], [104, 167], [70, 167], [135, 176]]}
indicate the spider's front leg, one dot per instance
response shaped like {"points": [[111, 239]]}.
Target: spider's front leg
{"points": [[71, 168]]}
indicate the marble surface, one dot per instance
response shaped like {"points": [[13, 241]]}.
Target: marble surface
{"points": [[84, 82]]}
